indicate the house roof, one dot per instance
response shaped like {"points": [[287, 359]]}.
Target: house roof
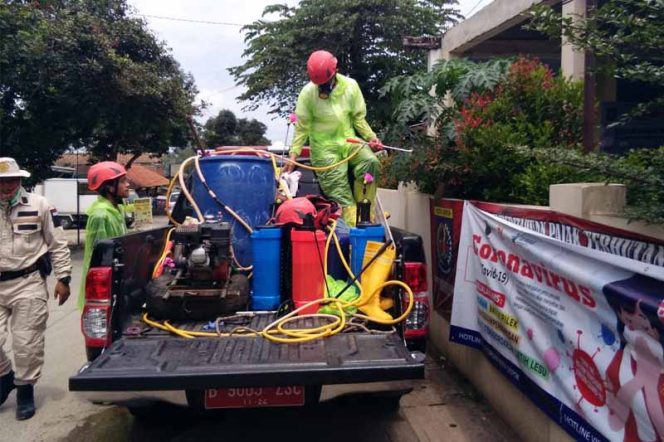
{"points": [[143, 172], [140, 177]]}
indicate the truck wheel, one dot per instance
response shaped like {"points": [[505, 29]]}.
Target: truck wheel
{"points": [[312, 394], [154, 413], [417, 345], [144, 414]]}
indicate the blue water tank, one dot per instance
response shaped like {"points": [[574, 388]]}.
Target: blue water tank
{"points": [[246, 184], [358, 242], [266, 249]]}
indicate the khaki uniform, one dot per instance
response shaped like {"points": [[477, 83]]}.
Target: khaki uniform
{"points": [[27, 232]]}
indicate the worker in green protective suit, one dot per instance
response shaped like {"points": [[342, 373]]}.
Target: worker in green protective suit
{"points": [[106, 217], [329, 110]]}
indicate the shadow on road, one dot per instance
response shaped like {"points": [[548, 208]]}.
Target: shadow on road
{"points": [[361, 417]]}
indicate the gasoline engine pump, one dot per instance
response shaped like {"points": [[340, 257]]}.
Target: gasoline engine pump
{"points": [[198, 284]]}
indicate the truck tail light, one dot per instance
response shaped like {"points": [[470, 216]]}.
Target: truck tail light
{"points": [[417, 323], [95, 320]]}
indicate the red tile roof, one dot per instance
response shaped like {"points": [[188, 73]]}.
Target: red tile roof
{"points": [[143, 173], [141, 177]]}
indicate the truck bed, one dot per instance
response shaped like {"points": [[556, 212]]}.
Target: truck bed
{"points": [[141, 358], [156, 360]]}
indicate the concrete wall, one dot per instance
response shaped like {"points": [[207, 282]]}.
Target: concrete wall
{"points": [[597, 202], [601, 203], [409, 210]]}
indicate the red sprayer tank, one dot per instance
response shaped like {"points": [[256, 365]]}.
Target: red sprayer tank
{"points": [[308, 279]]}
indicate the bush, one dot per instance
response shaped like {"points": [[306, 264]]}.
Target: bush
{"points": [[518, 104]]}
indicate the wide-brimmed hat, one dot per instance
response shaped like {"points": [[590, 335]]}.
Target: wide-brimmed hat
{"points": [[9, 169]]}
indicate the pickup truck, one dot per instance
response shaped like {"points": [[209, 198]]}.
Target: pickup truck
{"points": [[134, 365]]}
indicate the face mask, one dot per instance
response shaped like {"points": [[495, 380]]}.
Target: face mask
{"points": [[325, 89]]}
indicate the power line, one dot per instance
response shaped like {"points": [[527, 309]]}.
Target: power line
{"points": [[473, 8], [205, 22]]}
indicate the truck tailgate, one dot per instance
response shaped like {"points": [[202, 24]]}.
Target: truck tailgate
{"points": [[169, 363]]}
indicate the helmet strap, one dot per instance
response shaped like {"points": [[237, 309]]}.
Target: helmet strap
{"points": [[110, 191]]}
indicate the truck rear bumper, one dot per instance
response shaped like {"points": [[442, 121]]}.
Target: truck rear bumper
{"points": [[167, 363], [179, 398]]}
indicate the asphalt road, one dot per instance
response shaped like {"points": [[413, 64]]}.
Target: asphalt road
{"points": [[441, 408]]}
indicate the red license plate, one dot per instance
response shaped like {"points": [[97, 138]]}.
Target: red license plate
{"points": [[254, 397]]}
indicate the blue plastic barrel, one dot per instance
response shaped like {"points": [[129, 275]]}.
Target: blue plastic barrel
{"points": [[244, 183], [266, 249], [358, 242]]}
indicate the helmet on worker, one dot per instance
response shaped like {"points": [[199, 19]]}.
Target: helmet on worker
{"points": [[104, 172], [321, 67]]}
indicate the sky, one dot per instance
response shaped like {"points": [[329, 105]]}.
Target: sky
{"points": [[207, 50]]}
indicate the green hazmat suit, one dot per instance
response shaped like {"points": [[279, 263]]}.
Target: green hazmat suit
{"points": [[104, 221], [335, 287], [327, 123]]}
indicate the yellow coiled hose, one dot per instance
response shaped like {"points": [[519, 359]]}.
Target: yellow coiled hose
{"points": [[276, 331]]}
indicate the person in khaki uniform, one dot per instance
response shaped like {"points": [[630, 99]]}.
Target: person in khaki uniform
{"points": [[30, 244]]}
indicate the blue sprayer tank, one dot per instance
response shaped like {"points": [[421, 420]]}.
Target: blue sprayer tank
{"points": [[358, 242], [246, 184], [266, 250]]}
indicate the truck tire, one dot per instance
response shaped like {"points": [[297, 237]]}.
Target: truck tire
{"points": [[312, 395]]}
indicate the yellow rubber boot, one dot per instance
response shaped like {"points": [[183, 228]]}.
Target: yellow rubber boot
{"points": [[362, 192], [373, 277], [386, 303]]}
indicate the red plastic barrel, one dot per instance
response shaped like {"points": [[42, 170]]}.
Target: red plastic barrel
{"points": [[308, 279]]}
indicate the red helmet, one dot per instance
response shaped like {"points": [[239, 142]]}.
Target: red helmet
{"points": [[105, 171], [295, 211], [321, 67]]}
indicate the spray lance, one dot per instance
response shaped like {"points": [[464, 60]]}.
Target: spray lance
{"points": [[364, 206], [364, 143]]}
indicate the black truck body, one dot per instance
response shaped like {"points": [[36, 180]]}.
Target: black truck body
{"points": [[134, 363]]}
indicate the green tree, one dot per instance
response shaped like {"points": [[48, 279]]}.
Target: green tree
{"points": [[479, 112], [365, 36], [226, 129], [82, 73], [221, 130], [251, 133]]}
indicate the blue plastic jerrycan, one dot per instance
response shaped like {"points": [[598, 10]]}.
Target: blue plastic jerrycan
{"points": [[358, 242], [266, 251]]}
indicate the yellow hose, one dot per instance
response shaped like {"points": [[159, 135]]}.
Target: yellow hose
{"points": [[295, 336], [184, 189], [163, 254], [333, 236], [228, 209], [277, 327]]}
